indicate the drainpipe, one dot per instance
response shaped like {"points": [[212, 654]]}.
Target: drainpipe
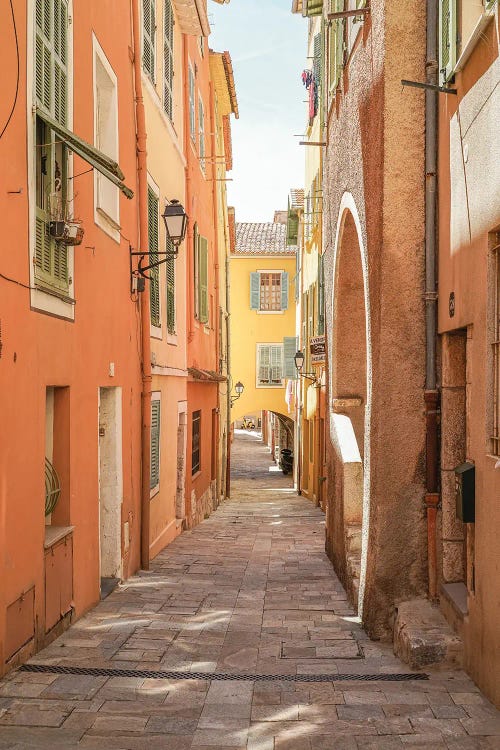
{"points": [[228, 369], [431, 395], [142, 170], [216, 322]]}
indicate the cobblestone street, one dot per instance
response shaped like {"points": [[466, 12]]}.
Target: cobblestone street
{"points": [[249, 593]]}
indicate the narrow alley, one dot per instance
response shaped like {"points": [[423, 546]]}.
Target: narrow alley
{"points": [[240, 636]]}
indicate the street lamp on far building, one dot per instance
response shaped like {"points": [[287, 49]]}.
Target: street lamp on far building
{"points": [[239, 388]]}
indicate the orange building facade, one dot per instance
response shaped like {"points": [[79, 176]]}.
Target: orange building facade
{"points": [[469, 326], [70, 377], [104, 377]]}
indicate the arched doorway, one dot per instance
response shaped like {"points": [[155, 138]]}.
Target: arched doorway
{"points": [[350, 398]]}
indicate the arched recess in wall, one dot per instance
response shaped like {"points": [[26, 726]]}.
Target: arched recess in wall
{"points": [[350, 394]]}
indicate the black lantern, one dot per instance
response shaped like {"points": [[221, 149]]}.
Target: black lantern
{"points": [[176, 220], [239, 388], [299, 360]]}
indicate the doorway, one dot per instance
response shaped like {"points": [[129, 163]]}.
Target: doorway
{"points": [[110, 487], [180, 503]]}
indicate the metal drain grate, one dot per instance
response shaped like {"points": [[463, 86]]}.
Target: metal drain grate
{"points": [[151, 674]]}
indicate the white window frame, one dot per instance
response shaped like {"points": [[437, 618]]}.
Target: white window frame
{"points": [[201, 133], [258, 383], [108, 221], [260, 271], [40, 299], [192, 102]]}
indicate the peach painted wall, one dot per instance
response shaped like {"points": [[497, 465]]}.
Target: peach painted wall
{"points": [[40, 350], [466, 269]]}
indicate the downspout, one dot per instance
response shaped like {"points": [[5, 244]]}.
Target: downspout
{"points": [[431, 395], [190, 233], [142, 170], [215, 169]]}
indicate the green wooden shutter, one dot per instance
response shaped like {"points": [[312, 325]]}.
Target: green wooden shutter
{"points": [[154, 284], [321, 295], [447, 38], [168, 58], [264, 363], [148, 37], [284, 291], [317, 60], [276, 363], [290, 347], [336, 44], [313, 7], [170, 264], [154, 480], [203, 252], [51, 90], [490, 4], [255, 291]]}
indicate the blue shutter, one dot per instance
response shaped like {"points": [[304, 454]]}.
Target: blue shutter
{"points": [[255, 291], [290, 346], [284, 291]]}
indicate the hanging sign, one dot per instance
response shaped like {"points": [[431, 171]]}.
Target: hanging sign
{"points": [[317, 346]]}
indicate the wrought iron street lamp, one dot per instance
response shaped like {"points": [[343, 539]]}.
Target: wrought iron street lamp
{"points": [[239, 388], [299, 364], [176, 221]]}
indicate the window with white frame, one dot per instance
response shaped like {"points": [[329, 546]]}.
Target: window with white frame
{"points": [[269, 291], [106, 195], [192, 114], [201, 131], [269, 365], [51, 262], [154, 482]]}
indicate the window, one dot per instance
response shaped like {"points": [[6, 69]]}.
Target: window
{"points": [[192, 115], [201, 130], [269, 291], [170, 266], [154, 482], [168, 58], [321, 295], [196, 443], [107, 196], [154, 284], [201, 276], [495, 435], [51, 88], [269, 365], [149, 38]]}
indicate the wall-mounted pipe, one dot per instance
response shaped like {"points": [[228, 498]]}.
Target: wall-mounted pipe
{"points": [[142, 200], [431, 396]]}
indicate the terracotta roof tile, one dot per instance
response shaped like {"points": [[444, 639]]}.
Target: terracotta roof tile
{"points": [[262, 238]]}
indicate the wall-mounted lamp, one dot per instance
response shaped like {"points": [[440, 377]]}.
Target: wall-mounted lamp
{"points": [[299, 364], [239, 388], [176, 221]]}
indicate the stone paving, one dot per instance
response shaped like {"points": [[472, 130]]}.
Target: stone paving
{"points": [[249, 592]]}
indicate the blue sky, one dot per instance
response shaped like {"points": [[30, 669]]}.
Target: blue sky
{"points": [[267, 44]]}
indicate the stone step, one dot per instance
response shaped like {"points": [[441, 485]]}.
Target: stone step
{"points": [[422, 637]]}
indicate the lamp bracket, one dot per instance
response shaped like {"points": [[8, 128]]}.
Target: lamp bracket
{"points": [[142, 269]]}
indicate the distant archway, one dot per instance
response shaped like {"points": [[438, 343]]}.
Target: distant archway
{"points": [[350, 393]]}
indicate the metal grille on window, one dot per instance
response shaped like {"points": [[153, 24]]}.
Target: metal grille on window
{"points": [[270, 291], [196, 443]]}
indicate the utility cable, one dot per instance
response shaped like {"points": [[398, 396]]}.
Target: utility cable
{"points": [[17, 73]]}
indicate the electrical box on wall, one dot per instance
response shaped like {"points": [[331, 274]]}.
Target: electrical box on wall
{"points": [[465, 492]]}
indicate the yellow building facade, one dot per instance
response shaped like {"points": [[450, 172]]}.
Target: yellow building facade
{"points": [[262, 298]]}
